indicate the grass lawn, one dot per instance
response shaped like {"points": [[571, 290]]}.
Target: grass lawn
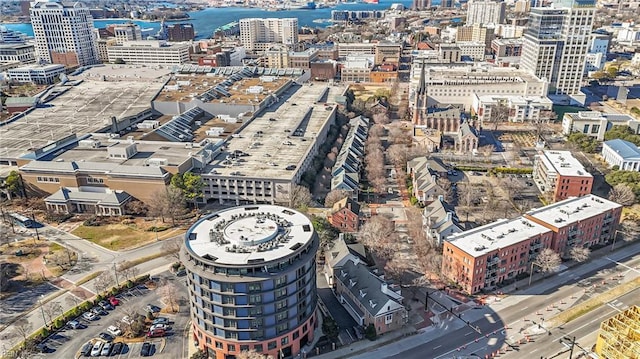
{"points": [[115, 236]]}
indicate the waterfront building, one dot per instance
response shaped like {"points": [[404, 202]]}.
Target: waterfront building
{"points": [[355, 15], [22, 53], [258, 35], [252, 276], [485, 12], [556, 43], [125, 32], [561, 175], [421, 4], [63, 33], [180, 32]]}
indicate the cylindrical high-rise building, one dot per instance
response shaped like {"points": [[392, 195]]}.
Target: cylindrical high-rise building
{"points": [[252, 281]]}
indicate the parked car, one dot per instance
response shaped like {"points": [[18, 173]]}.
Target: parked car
{"points": [[43, 348], [114, 301], [74, 324], [89, 316], [117, 348], [158, 326], [113, 330], [99, 311], [156, 333], [106, 337], [86, 349], [106, 350], [97, 348], [146, 349], [127, 320], [161, 320], [105, 305], [152, 308]]}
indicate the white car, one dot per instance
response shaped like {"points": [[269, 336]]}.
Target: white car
{"points": [[97, 348], [126, 319], [89, 316], [113, 330], [158, 326]]}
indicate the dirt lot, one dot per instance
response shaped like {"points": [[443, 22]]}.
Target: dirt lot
{"points": [[118, 234]]}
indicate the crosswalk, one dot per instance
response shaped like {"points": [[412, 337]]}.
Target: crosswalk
{"points": [[618, 305]]}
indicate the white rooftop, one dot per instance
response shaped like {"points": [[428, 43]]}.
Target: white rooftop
{"points": [[564, 164], [496, 235], [250, 234], [573, 210]]}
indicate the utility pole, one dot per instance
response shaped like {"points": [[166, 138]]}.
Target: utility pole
{"points": [[569, 342], [35, 224]]}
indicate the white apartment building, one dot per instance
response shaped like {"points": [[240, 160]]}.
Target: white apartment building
{"points": [[485, 12], [149, 53], [357, 68], [126, 32], [63, 33], [258, 34], [556, 43], [457, 84], [597, 56], [521, 108], [38, 74], [473, 49]]}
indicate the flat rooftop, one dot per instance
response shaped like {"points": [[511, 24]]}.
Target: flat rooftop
{"points": [[496, 235], [476, 74], [250, 235], [564, 164], [280, 137], [183, 88], [573, 210], [84, 108], [172, 153]]}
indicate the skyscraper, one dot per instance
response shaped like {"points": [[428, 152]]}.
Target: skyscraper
{"points": [[421, 4], [63, 33], [485, 12], [556, 43], [258, 34]]}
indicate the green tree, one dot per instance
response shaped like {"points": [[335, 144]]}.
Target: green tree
{"points": [[584, 142], [14, 184], [629, 178], [326, 232], [612, 72], [190, 184], [330, 328], [200, 355], [623, 133], [370, 332]]}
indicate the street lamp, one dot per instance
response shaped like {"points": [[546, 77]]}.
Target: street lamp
{"points": [[615, 236], [531, 271], [42, 309]]}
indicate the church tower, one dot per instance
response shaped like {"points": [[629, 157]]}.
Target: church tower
{"points": [[420, 104]]}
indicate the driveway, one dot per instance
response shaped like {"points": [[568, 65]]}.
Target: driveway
{"points": [[339, 314]]}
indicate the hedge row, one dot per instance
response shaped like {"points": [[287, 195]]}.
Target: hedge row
{"points": [[510, 170], [471, 168]]}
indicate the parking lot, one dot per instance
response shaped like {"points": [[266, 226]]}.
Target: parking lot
{"points": [[68, 342]]}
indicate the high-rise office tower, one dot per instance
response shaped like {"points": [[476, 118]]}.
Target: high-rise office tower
{"points": [[556, 43], [421, 4], [63, 33], [257, 34], [485, 12]]}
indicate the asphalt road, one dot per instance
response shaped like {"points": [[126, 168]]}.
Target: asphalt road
{"points": [[512, 310]]}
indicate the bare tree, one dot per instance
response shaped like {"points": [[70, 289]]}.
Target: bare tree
{"points": [[381, 118], [397, 135], [24, 327], [252, 354], [103, 281], [52, 310], [487, 150], [622, 194], [171, 247], [299, 197], [579, 254], [467, 197], [169, 202], [547, 260], [379, 236], [335, 196], [72, 300], [446, 186], [61, 258], [397, 269], [511, 187], [170, 296], [397, 154], [376, 131], [499, 114]]}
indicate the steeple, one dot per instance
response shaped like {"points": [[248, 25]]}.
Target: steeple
{"points": [[422, 87], [421, 96]]}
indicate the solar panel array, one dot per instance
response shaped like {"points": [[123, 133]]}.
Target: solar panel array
{"points": [[180, 128]]}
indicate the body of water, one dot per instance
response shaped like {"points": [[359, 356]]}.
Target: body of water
{"points": [[207, 20]]}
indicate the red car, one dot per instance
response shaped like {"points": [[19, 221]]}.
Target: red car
{"points": [[155, 333], [114, 301]]}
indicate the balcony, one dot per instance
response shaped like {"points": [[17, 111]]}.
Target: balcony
{"points": [[536, 246], [493, 261]]}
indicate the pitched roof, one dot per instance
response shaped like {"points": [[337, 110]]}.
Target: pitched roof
{"points": [[97, 196], [346, 202], [370, 290], [466, 129], [625, 149]]}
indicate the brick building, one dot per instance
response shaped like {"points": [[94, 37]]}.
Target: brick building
{"points": [[180, 32], [345, 215], [561, 175], [484, 257]]}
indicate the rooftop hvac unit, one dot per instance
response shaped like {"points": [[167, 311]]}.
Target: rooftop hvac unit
{"points": [[157, 162]]}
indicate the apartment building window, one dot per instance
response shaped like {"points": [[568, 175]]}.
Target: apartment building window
{"points": [[48, 179], [219, 345], [231, 347], [281, 304], [255, 298], [255, 311], [281, 281], [282, 316], [258, 348], [388, 319], [284, 341], [254, 287], [282, 327], [272, 345], [93, 180], [281, 292]]}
